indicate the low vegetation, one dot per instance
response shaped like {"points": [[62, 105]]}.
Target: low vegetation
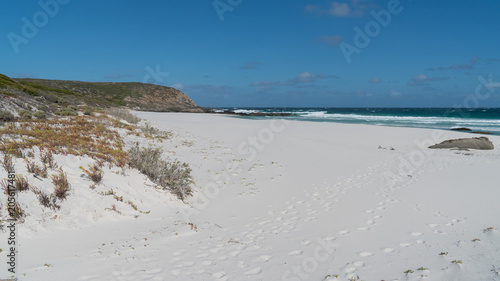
{"points": [[123, 114], [6, 116], [61, 184], [64, 136], [174, 176], [94, 172], [37, 140]]}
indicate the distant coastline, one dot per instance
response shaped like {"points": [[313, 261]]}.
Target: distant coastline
{"points": [[475, 120]]}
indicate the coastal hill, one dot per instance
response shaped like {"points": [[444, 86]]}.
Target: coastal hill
{"points": [[138, 96]]}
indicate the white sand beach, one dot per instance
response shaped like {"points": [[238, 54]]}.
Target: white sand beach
{"points": [[280, 200]]}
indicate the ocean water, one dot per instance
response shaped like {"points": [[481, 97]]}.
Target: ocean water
{"points": [[477, 119]]}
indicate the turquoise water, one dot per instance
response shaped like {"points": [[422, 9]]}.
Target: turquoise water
{"points": [[477, 119]]}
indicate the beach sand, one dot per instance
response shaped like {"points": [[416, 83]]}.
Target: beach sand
{"points": [[284, 200]]}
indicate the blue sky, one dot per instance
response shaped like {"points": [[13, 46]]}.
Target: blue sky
{"points": [[353, 53]]}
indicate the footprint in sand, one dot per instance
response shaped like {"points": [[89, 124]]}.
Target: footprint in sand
{"points": [[295, 253], [176, 272], [329, 238], [404, 245], [234, 253], [265, 222], [350, 270], [308, 219], [365, 254], [265, 258], [219, 275], [179, 253], [242, 264], [416, 234], [359, 264], [306, 242], [344, 232], [254, 271], [174, 260], [388, 250]]}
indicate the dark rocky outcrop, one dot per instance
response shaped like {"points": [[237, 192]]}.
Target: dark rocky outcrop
{"points": [[481, 143], [461, 129]]}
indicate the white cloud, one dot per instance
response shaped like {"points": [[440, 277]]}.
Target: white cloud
{"points": [[422, 79], [339, 9], [304, 77], [331, 40], [375, 80], [492, 85], [395, 94], [178, 86], [352, 8]]}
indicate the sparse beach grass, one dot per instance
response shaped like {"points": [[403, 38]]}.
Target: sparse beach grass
{"points": [[93, 135]]}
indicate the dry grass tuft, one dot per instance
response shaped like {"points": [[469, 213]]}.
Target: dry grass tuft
{"points": [[123, 114], [174, 176], [94, 173]]}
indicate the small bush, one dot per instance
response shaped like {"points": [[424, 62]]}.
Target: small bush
{"points": [[87, 112], [61, 101], [40, 115], [66, 112], [16, 212], [25, 114], [61, 184], [7, 163], [151, 131], [43, 172], [21, 183], [48, 159], [30, 166], [73, 107], [94, 173], [48, 201], [175, 176], [124, 114], [4, 184], [34, 168], [6, 116]]}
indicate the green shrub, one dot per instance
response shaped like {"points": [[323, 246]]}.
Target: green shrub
{"points": [[6, 116], [25, 114], [174, 176], [87, 112], [40, 115], [72, 107], [61, 101], [66, 112]]}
